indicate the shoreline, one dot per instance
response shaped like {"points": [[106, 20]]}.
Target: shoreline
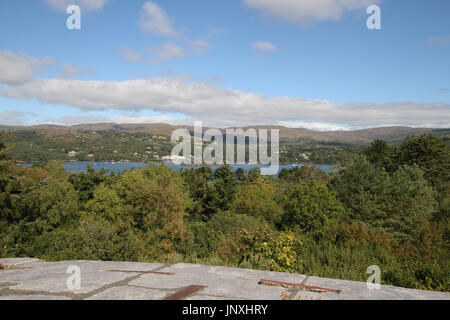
{"points": [[184, 165]]}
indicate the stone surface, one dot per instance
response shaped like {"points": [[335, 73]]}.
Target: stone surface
{"points": [[222, 282], [33, 297], [129, 293], [51, 277], [33, 279]]}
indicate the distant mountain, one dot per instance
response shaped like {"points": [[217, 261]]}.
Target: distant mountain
{"points": [[365, 136]]}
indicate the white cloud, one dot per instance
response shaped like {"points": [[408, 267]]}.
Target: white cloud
{"points": [[215, 105], [166, 51], [307, 11], [218, 106], [11, 117], [70, 71], [199, 46], [130, 55], [439, 41], [263, 46], [85, 5], [215, 31], [18, 68], [125, 118], [317, 126], [155, 21]]}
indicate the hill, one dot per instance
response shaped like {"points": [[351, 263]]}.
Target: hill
{"points": [[151, 142], [364, 136]]}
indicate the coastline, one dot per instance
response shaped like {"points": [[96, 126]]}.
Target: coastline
{"points": [[184, 165]]}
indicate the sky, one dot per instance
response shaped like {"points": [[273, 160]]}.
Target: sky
{"points": [[298, 63]]}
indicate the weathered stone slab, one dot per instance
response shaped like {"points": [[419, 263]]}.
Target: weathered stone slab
{"points": [[227, 283], [38, 280], [129, 293], [352, 290], [33, 297], [206, 297], [52, 276]]}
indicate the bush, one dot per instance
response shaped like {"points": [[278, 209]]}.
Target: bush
{"points": [[93, 239], [311, 206], [206, 237], [257, 199], [262, 249], [416, 274]]}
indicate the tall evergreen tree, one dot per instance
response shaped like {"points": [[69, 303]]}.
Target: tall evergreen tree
{"points": [[223, 191], [427, 151], [378, 153]]}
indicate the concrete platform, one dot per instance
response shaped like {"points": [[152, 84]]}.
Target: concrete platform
{"points": [[34, 279]]}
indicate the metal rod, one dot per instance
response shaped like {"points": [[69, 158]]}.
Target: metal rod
{"points": [[134, 271], [297, 285]]}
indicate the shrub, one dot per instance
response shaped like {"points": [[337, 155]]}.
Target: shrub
{"points": [[262, 249], [311, 206], [257, 199], [206, 237]]}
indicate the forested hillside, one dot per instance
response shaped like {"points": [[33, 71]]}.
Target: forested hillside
{"points": [[151, 142], [389, 207]]}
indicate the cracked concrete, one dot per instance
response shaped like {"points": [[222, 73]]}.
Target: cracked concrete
{"points": [[34, 279]]}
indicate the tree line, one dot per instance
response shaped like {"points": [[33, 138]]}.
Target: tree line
{"points": [[388, 207]]}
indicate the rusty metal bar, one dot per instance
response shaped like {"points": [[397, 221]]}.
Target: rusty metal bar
{"points": [[183, 293], [297, 285], [151, 272]]}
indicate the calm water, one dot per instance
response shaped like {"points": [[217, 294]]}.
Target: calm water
{"points": [[76, 167]]}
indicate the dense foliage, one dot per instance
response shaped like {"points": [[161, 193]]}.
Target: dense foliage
{"points": [[388, 207]]}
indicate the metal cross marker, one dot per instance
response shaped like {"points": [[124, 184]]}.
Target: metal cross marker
{"points": [[297, 285], [294, 291], [183, 293]]}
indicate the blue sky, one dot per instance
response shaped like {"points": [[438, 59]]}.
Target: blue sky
{"points": [[304, 63]]}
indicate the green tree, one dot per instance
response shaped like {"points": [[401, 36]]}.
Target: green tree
{"points": [[257, 199], [156, 199], [57, 197], [263, 249], [93, 238], [223, 191], [241, 175], [5, 162], [378, 153], [42, 195], [85, 183], [254, 174], [208, 236], [427, 151], [106, 204], [306, 172], [5, 174], [199, 184], [394, 203], [311, 206]]}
